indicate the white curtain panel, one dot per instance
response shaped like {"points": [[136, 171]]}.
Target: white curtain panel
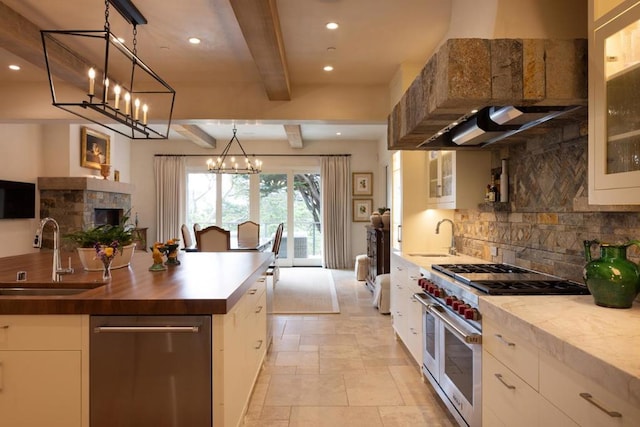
{"points": [[335, 176], [171, 190]]}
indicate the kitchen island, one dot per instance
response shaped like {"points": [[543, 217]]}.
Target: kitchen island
{"points": [[44, 340]]}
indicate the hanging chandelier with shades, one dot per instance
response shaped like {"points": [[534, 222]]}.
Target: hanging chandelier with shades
{"points": [[234, 164], [94, 75]]}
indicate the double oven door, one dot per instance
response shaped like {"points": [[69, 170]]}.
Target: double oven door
{"points": [[452, 358]]}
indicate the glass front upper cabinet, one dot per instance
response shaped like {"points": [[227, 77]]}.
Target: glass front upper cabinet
{"points": [[614, 168]]}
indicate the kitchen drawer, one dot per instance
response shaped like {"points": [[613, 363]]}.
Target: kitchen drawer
{"points": [[552, 416], [509, 348], [506, 396], [563, 387], [40, 332]]}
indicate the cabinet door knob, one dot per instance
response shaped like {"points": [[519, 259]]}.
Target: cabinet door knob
{"points": [[505, 342]]}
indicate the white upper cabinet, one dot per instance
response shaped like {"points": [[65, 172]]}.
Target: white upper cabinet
{"points": [[457, 179], [614, 104]]}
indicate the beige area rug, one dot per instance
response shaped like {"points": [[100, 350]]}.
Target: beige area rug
{"points": [[303, 290]]}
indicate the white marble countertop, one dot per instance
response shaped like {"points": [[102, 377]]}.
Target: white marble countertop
{"points": [[600, 343]]}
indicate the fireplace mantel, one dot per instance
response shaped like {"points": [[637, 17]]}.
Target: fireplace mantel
{"points": [[84, 183]]}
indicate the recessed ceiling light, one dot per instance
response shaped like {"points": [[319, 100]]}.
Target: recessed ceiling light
{"points": [[14, 67], [332, 25], [338, 133], [194, 40], [328, 68]]}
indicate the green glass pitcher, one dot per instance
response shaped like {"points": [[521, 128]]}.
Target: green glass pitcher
{"points": [[612, 279]]}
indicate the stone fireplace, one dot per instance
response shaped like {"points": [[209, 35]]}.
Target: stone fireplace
{"points": [[74, 202]]}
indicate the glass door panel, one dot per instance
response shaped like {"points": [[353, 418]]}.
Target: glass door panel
{"points": [[273, 205], [235, 202], [307, 236]]}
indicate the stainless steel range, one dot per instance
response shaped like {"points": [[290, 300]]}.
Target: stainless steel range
{"points": [[452, 325]]}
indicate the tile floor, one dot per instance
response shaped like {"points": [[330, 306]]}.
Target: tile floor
{"points": [[342, 369]]}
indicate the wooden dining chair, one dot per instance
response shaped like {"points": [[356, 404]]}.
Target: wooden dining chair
{"points": [[213, 239], [273, 269], [248, 234], [187, 240]]}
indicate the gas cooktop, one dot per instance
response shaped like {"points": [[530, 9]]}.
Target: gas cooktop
{"points": [[505, 279]]}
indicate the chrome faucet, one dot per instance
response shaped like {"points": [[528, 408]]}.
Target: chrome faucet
{"points": [[452, 249], [57, 270]]}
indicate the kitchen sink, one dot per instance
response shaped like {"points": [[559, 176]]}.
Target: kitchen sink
{"points": [[431, 255], [46, 288]]}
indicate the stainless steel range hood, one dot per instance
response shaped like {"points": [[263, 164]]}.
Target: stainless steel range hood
{"points": [[492, 124]]}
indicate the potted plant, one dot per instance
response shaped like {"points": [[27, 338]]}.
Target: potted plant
{"points": [[120, 235]]}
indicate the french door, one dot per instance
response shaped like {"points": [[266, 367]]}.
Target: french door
{"points": [[293, 198]]}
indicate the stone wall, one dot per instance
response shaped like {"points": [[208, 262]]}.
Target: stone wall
{"points": [[72, 202], [548, 217]]}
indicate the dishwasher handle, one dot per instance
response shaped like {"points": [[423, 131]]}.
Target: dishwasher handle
{"points": [[147, 329]]}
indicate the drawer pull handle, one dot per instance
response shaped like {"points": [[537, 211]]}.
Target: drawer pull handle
{"points": [[507, 385], [259, 345], [252, 291], [1, 377], [589, 398], [505, 342], [259, 309]]}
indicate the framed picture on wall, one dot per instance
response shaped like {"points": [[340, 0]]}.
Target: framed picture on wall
{"points": [[362, 210], [362, 183], [95, 148]]}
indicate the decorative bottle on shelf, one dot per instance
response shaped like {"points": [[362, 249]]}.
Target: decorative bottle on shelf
{"points": [[504, 182]]}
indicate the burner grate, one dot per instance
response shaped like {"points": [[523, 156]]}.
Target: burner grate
{"points": [[530, 287], [452, 269]]}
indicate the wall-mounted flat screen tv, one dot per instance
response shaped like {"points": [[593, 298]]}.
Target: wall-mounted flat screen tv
{"points": [[17, 200]]}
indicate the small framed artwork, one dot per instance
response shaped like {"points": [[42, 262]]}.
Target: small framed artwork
{"points": [[362, 210], [95, 148], [362, 183]]}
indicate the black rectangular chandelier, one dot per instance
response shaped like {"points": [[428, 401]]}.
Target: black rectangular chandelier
{"points": [[93, 75]]}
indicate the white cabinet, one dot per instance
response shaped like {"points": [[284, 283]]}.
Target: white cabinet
{"points": [[409, 203], [614, 107], [405, 311], [239, 346], [457, 179], [43, 371], [524, 386], [585, 401]]}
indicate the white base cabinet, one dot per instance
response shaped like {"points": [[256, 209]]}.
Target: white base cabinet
{"points": [[239, 346], [44, 371], [405, 311], [524, 386]]}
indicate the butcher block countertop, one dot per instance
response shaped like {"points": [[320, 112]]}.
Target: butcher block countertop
{"points": [[204, 283]]}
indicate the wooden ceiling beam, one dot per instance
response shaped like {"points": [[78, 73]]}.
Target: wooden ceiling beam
{"points": [[260, 26], [294, 135], [21, 37], [196, 135]]}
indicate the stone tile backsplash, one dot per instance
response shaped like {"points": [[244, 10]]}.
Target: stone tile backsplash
{"points": [[548, 216]]}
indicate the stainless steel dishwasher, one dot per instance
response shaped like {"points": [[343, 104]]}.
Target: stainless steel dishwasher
{"points": [[150, 371]]}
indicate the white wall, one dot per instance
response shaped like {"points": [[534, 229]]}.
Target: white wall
{"points": [[364, 158], [21, 160]]}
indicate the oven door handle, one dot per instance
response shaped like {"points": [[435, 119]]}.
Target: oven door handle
{"points": [[436, 310]]}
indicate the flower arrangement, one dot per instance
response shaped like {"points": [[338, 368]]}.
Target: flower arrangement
{"points": [[106, 255]]}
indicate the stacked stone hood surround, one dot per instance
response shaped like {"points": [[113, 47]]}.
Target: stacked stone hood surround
{"points": [[467, 74]]}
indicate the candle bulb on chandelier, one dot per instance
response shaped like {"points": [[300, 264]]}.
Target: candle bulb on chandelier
{"points": [[145, 109], [106, 90], [127, 99], [92, 81], [137, 104], [116, 91]]}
